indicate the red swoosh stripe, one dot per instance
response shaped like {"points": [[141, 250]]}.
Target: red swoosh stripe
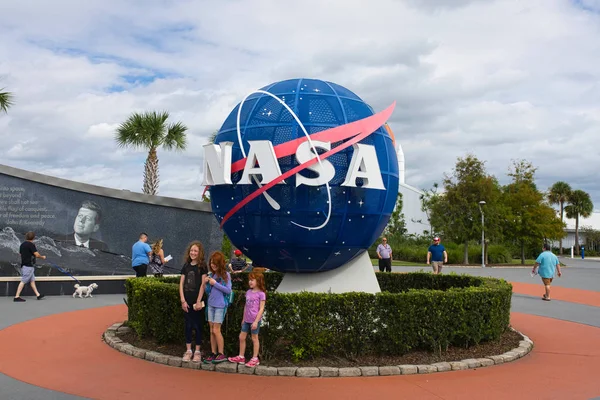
{"points": [[359, 129], [332, 135]]}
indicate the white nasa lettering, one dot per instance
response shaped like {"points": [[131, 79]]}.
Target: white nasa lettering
{"points": [[325, 169], [364, 165], [217, 164], [261, 153], [262, 161]]}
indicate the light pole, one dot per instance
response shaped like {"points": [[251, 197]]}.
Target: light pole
{"points": [[482, 203]]}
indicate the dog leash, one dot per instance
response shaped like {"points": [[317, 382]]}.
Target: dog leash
{"points": [[62, 270]]}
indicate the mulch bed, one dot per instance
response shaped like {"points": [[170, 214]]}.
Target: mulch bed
{"points": [[508, 341]]}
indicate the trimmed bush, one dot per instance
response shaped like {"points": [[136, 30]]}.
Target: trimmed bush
{"points": [[497, 254], [414, 311]]}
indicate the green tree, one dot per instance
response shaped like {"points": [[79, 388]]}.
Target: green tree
{"points": [[455, 213], [559, 194], [428, 200], [213, 136], [397, 225], [151, 131], [6, 100], [580, 205], [529, 220], [592, 237]]}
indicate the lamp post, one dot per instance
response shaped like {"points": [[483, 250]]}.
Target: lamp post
{"points": [[482, 203]]}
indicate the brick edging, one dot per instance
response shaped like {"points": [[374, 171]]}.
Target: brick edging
{"points": [[111, 338]]}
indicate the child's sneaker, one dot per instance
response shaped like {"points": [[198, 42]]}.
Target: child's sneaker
{"points": [[219, 359], [253, 362], [209, 359], [197, 357], [187, 356], [237, 360]]}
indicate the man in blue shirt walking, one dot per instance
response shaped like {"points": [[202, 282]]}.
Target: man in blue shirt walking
{"points": [[438, 256], [140, 256], [548, 265]]}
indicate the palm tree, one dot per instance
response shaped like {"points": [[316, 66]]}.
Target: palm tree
{"points": [[580, 205], [150, 131], [6, 100], [559, 194]]}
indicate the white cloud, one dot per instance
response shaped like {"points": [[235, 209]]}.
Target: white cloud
{"points": [[501, 79]]}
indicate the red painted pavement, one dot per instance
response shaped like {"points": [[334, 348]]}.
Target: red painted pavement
{"points": [[66, 354]]}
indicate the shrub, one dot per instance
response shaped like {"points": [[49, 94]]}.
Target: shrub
{"points": [[498, 254], [415, 311], [417, 252]]}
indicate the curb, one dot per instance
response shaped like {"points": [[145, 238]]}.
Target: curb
{"points": [[110, 337]]}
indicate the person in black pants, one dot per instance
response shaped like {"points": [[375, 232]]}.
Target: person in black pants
{"points": [[191, 290], [384, 252], [140, 256]]}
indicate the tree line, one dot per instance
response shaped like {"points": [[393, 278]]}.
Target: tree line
{"points": [[517, 213]]}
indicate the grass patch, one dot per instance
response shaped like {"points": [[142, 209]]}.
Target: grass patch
{"points": [[399, 263]]}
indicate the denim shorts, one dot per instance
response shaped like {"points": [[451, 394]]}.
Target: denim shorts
{"points": [[27, 274], [247, 326], [216, 315]]}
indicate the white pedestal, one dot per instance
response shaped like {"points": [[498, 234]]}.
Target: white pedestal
{"points": [[355, 276]]}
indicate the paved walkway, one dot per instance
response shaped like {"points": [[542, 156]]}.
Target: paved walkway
{"points": [[48, 353]]}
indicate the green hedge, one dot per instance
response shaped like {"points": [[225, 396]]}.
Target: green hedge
{"points": [[415, 311], [497, 254]]}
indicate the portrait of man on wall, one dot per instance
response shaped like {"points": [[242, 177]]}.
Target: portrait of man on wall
{"points": [[87, 222]]}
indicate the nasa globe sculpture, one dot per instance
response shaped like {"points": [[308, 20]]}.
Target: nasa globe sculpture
{"points": [[303, 178]]}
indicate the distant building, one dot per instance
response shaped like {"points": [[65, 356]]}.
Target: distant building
{"points": [[593, 221], [416, 220]]}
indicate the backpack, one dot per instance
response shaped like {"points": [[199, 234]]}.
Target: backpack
{"points": [[227, 297]]}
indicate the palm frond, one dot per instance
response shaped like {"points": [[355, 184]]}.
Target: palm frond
{"points": [[6, 100], [134, 132], [175, 139]]}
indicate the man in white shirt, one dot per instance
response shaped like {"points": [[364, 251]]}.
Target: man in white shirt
{"points": [[384, 252]]}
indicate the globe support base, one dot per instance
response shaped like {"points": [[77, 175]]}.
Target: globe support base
{"points": [[357, 275]]}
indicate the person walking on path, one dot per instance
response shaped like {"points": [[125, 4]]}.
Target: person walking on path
{"points": [[437, 255], [28, 255], [384, 252], [548, 265], [140, 256]]}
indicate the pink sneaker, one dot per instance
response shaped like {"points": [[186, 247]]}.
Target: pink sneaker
{"points": [[253, 362], [237, 360]]}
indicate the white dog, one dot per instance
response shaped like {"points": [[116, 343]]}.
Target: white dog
{"points": [[84, 290]]}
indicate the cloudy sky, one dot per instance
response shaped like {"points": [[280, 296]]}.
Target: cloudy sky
{"points": [[501, 79]]}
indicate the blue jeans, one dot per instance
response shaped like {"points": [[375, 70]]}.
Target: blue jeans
{"points": [[247, 326], [216, 315]]}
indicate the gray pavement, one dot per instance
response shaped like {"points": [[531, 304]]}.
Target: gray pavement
{"points": [[582, 274], [579, 274]]}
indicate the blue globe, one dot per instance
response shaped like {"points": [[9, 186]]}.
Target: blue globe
{"points": [[269, 236]]}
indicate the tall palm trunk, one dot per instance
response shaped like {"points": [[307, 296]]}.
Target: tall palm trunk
{"points": [[466, 253], [151, 173], [562, 206]]}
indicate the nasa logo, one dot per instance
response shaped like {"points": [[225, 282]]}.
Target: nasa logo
{"points": [[273, 156]]}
